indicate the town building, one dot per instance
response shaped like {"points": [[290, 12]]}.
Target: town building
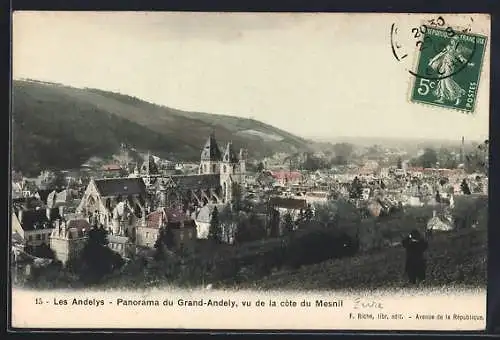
{"points": [[118, 204], [33, 221], [68, 238], [285, 178], [122, 245], [181, 226]]}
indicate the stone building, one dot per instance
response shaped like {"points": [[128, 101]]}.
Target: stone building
{"points": [[68, 238], [33, 221], [181, 226], [119, 204]]}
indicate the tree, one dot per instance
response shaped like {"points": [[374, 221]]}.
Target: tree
{"points": [[43, 251], [97, 260], [356, 189], [444, 180], [57, 182], [274, 223], [382, 185], [400, 163], [260, 167], [429, 158], [326, 213], [343, 150], [288, 223], [250, 228], [215, 231], [308, 214], [311, 163], [465, 187], [236, 196], [265, 179], [477, 159], [164, 240]]}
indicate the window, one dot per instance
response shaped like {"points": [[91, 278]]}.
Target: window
{"points": [[38, 237], [181, 236], [190, 234], [225, 169], [43, 237], [147, 235], [213, 168], [204, 168], [30, 238]]}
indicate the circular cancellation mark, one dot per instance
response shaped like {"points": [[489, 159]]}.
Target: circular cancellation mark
{"points": [[443, 52]]}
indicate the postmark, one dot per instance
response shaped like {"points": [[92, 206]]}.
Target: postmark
{"points": [[448, 64]]}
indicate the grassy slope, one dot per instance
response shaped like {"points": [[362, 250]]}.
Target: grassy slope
{"points": [[457, 257], [75, 124], [452, 258]]}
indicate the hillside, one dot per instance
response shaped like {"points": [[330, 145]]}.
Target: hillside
{"points": [[452, 259], [57, 126]]}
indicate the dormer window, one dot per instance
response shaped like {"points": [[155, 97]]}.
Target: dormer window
{"points": [[225, 169]]}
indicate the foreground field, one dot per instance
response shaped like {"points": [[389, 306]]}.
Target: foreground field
{"points": [[455, 258]]}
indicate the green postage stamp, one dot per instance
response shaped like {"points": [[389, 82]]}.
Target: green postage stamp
{"points": [[448, 69]]}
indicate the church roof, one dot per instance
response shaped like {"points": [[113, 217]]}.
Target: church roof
{"points": [[211, 151], [229, 154], [189, 182], [120, 186]]}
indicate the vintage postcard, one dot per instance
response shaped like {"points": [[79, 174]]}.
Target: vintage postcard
{"points": [[249, 171]]}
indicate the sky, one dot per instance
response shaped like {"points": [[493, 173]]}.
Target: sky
{"points": [[314, 75]]}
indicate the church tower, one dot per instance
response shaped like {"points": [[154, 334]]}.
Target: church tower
{"points": [[149, 170], [243, 165], [210, 157], [229, 174]]}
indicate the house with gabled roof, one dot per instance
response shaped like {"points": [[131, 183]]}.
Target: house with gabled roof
{"points": [[34, 224], [118, 204], [181, 226], [68, 238]]}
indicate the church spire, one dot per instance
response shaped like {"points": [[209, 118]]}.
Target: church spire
{"points": [[211, 151], [229, 154]]}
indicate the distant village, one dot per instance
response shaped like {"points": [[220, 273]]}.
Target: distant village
{"points": [[135, 201]]}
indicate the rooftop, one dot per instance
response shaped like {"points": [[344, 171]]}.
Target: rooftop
{"points": [[120, 186]]}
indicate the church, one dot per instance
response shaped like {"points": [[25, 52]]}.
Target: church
{"points": [[218, 172], [123, 205]]}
